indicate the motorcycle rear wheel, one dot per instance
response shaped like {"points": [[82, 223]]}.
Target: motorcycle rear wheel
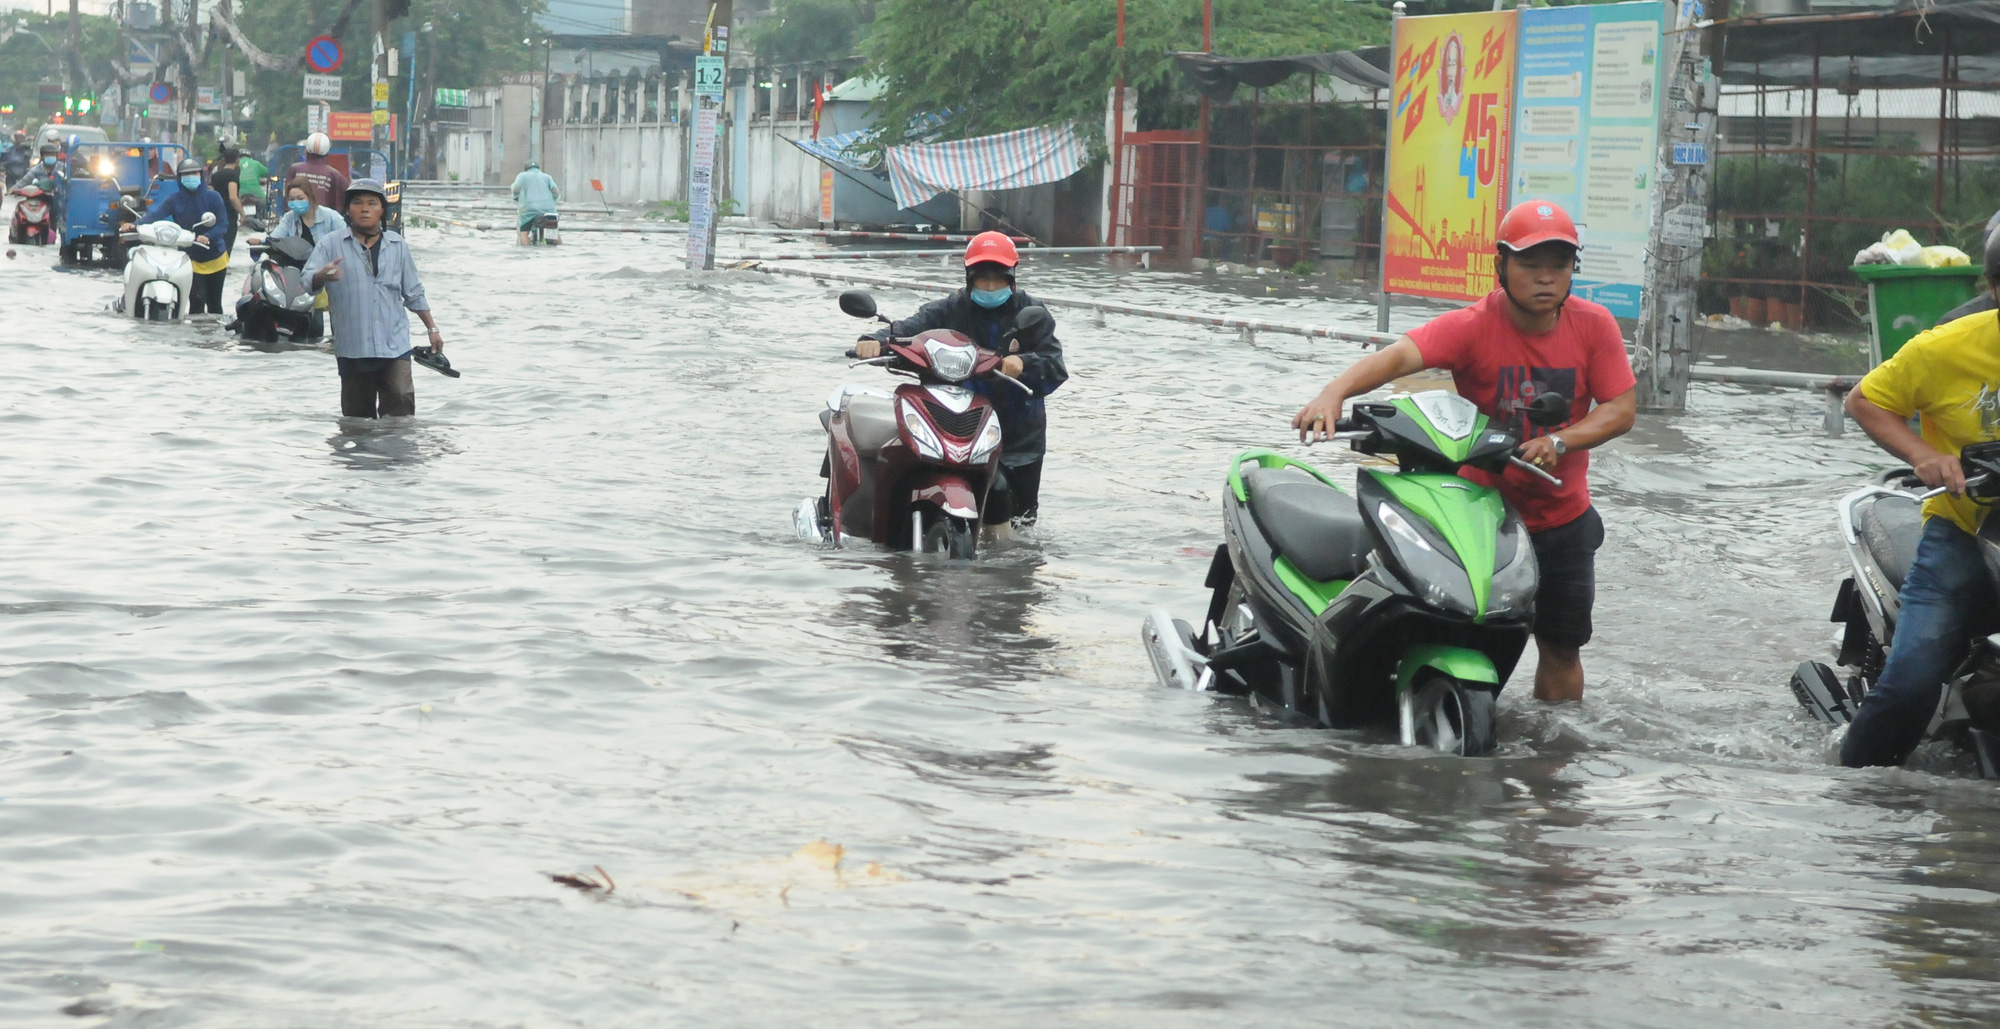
{"points": [[1455, 717]]}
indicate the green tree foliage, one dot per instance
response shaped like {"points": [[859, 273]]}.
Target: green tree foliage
{"points": [[32, 54], [476, 41], [1002, 66], [800, 31]]}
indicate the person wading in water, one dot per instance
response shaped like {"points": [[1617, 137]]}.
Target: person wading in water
{"points": [[370, 281]]}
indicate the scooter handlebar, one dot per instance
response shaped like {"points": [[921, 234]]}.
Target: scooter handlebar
{"points": [[1977, 480], [1518, 463]]}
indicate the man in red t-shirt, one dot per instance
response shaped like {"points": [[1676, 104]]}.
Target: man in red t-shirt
{"points": [[1527, 338]]}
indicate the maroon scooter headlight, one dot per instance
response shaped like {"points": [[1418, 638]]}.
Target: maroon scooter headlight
{"points": [[914, 423]]}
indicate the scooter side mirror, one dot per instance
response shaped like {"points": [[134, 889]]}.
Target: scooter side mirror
{"points": [[206, 221], [1549, 408], [1032, 320], [857, 304]]}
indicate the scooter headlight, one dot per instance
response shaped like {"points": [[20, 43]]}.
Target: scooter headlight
{"points": [[988, 441], [274, 289], [920, 432], [1516, 574], [952, 363], [1429, 569]]}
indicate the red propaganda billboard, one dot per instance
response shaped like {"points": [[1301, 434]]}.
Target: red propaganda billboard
{"points": [[350, 126], [1450, 127]]}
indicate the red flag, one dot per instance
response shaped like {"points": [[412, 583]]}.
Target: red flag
{"points": [[596, 185], [819, 102]]}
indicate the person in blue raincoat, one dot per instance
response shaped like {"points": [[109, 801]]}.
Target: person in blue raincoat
{"points": [[185, 206], [535, 194]]}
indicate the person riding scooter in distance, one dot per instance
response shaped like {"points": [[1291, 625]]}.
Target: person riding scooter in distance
{"points": [[371, 280], [535, 194], [984, 311], [1524, 339], [329, 184], [185, 206], [1950, 375], [18, 158]]}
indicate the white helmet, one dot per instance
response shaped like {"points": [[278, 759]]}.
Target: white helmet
{"points": [[318, 144]]}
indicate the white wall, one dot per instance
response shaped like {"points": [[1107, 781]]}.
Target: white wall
{"points": [[466, 155], [645, 163]]}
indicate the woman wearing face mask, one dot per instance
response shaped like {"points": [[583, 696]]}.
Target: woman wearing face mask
{"points": [[185, 206], [984, 310], [308, 221]]}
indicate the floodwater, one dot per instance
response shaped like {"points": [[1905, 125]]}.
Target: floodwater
{"points": [[297, 715]]}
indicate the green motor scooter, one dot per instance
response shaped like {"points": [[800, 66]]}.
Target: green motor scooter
{"points": [[1408, 603]]}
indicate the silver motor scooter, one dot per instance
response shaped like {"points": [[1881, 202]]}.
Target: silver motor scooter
{"points": [[158, 272], [1881, 525]]}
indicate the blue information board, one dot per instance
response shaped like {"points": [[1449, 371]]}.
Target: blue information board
{"points": [[1586, 134]]}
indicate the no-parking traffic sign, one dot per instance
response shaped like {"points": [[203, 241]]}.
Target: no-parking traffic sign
{"points": [[324, 54]]}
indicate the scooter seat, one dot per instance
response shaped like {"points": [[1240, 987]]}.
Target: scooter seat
{"points": [[1890, 528], [1317, 528], [871, 423]]}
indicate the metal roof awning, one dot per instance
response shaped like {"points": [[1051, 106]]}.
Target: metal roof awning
{"points": [[1897, 47], [1217, 77]]}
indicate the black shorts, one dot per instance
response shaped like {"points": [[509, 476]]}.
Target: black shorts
{"points": [[1567, 558]]}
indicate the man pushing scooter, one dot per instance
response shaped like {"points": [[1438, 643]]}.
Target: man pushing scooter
{"points": [[1527, 338]]}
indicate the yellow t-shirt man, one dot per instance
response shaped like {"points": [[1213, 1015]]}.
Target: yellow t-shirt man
{"points": [[1951, 376]]}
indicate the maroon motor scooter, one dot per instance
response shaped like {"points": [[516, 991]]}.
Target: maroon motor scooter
{"points": [[912, 469]]}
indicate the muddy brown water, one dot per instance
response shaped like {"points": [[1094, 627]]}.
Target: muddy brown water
{"points": [[297, 714]]}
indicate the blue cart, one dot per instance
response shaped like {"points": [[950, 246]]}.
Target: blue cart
{"points": [[99, 175]]}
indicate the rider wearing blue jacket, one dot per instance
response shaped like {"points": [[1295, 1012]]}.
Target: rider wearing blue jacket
{"points": [[185, 206], [985, 310]]}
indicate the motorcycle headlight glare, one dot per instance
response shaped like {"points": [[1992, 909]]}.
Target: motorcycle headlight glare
{"points": [[920, 432], [952, 363], [274, 289], [1432, 574], [988, 441]]}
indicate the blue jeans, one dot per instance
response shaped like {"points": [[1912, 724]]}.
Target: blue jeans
{"points": [[1947, 595]]}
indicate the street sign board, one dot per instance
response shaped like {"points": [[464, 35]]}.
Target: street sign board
{"points": [[316, 115], [350, 126], [142, 54], [324, 54], [204, 96], [161, 92], [709, 76], [380, 117], [381, 94], [1690, 153], [322, 87]]}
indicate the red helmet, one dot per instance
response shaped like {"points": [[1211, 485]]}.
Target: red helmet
{"points": [[1534, 222], [991, 246]]}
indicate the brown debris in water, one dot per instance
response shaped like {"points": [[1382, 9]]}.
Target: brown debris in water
{"points": [[584, 882]]}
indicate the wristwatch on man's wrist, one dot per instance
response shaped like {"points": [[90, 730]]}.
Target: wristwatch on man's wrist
{"points": [[1561, 447]]}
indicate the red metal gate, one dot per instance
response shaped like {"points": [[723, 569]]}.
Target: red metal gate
{"points": [[1164, 169]]}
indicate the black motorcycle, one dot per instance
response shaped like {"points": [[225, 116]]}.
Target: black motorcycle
{"points": [[275, 296]]}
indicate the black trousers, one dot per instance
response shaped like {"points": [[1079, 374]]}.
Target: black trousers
{"points": [[206, 293], [1021, 501], [376, 387]]}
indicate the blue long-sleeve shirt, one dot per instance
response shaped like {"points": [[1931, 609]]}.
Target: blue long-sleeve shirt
{"points": [[369, 299], [185, 207]]}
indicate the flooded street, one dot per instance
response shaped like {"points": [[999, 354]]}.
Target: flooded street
{"points": [[296, 714]]}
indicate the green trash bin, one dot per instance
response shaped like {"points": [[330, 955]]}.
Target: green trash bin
{"points": [[1904, 300]]}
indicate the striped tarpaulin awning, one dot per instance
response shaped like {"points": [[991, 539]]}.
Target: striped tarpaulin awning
{"points": [[1010, 160]]}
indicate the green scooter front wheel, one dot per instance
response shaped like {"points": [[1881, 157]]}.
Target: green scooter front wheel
{"points": [[1455, 717]]}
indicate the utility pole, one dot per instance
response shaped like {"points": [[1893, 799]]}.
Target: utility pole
{"points": [[711, 78], [378, 79], [73, 74], [1665, 337]]}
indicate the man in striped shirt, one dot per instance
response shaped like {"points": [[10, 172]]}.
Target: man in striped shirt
{"points": [[370, 281]]}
